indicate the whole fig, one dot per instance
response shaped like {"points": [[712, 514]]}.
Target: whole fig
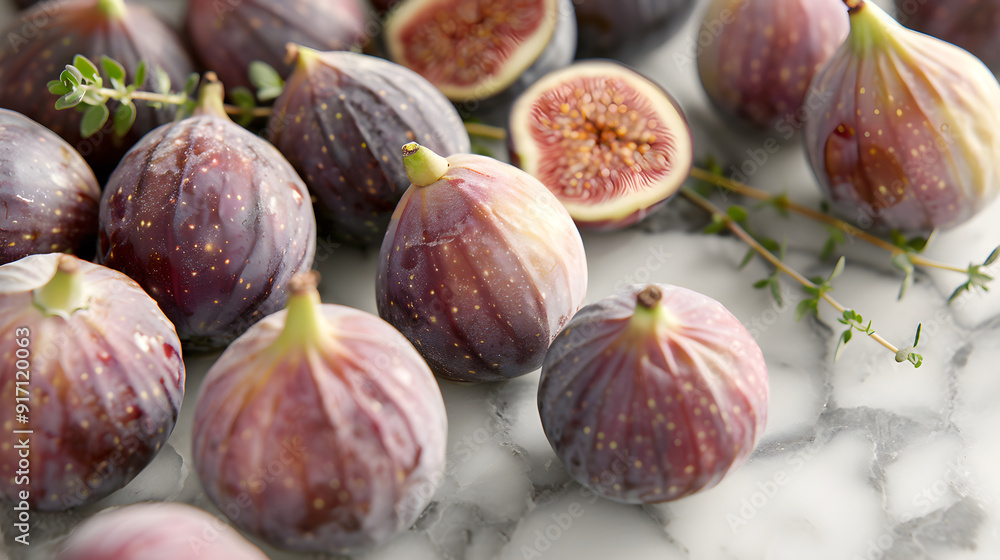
{"points": [[480, 268], [973, 25], [92, 370], [623, 29], [321, 428], [340, 121], [48, 192], [652, 394], [763, 55], [906, 127]]}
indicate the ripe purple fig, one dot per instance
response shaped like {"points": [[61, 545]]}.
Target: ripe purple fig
{"points": [[622, 29], [476, 50], [905, 129], [48, 193], [609, 143], [321, 428], [763, 55], [340, 122], [230, 34], [46, 37], [652, 394], [210, 220], [156, 531], [973, 25], [480, 268], [92, 371]]}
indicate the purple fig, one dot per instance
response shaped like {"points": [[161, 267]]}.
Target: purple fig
{"points": [[973, 25], [321, 428], [46, 37], [210, 220], [652, 394], [230, 34], [48, 193], [481, 266], [763, 54], [609, 143], [905, 129], [624, 29], [340, 122], [94, 376]]}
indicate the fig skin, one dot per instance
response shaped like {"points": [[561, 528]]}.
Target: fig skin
{"points": [[156, 531], [765, 53], [647, 400], [480, 268], [626, 29], [339, 122], [348, 410], [905, 134], [106, 378], [973, 25], [45, 38], [599, 153], [211, 221], [48, 192], [230, 34]]}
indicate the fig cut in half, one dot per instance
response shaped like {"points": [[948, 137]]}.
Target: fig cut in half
{"points": [[608, 142]]}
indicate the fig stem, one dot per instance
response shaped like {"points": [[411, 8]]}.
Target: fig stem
{"points": [[693, 196], [114, 9], [63, 294], [423, 166], [303, 324], [750, 192], [210, 97]]}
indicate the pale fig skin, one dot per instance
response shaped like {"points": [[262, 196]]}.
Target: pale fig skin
{"points": [[973, 25], [48, 193], [106, 384], [764, 53], [913, 148], [340, 122], [212, 222], [156, 531], [356, 423], [480, 270], [650, 411]]}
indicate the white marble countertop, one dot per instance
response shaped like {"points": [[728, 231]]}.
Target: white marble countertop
{"points": [[863, 458]]}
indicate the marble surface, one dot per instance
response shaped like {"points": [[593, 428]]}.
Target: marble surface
{"points": [[863, 458]]}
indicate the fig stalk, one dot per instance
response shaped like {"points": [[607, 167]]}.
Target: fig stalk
{"points": [[112, 8], [210, 97], [303, 327], [649, 313], [423, 166], [63, 294]]}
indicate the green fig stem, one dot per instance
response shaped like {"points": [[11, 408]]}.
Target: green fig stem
{"points": [[693, 196], [63, 294], [303, 324], [649, 313], [302, 56], [114, 9], [210, 97], [423, 166], [869, 25]]}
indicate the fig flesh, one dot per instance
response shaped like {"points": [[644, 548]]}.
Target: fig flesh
{"points": [[906, 133], [93, 369], [626, 29], [46, 37], [973, 25], [48, 193], [230, 34], [480, 268], [156, 531], [609, 143], [343, 405], [340, 121], [479, 49], [210, 220], [652, 394], [763, 55]]}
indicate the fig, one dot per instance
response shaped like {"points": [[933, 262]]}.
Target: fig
{"points": [[764, 54], [340, 121], [609, 143], [210, 220], [46, 37], [473, 50], [48, 192], [480, 268], [970, 24], [905, 134], [320, 428], [93, 374], [626, 29], [652, 394], [230, 34]]}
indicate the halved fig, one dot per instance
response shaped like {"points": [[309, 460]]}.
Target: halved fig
{"points": [[476, 49], [608, 142]]}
